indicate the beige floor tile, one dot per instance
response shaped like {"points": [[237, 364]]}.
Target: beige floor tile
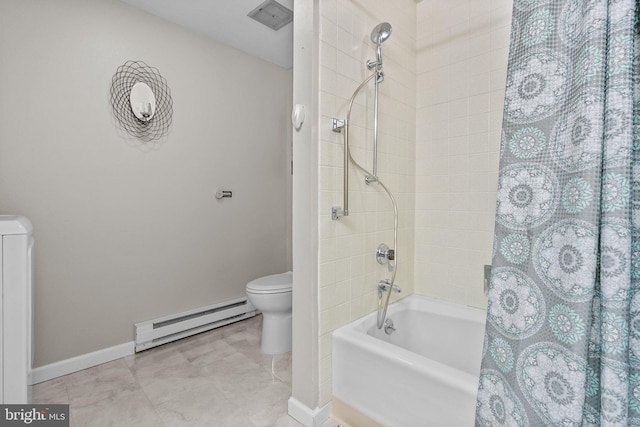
{"points": [[235, 371], [53, 392], [100, 384], [203, 406], [125, 408], [206, 351], [217, 378], [162, 386], [266, 406], [286, 421]]}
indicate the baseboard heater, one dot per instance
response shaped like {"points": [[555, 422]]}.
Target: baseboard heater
{"points": [[174, 327]]}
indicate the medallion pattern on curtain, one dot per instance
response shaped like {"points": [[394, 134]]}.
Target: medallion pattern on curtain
{"points": [[562, 344]]}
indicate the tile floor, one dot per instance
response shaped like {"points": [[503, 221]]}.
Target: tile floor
{"points": [[217, 378]]}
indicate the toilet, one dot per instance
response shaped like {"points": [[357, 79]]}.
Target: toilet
{"points": [[272, 296]]}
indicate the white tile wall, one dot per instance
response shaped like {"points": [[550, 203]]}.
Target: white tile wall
{"points": [[440, 118], [461, 59], [348, 271]]}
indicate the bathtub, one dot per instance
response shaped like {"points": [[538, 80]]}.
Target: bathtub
{"points": [[425, 374]]}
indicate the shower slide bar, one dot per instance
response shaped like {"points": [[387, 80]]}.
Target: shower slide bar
{"points": [[343, 126]]}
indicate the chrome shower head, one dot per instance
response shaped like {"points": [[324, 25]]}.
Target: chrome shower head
{"points": [[380, 33]]}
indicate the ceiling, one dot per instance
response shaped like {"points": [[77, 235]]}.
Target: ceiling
{"points": [[226, 21]]}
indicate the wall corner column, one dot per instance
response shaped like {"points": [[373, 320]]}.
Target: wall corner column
{"points": [[304, 401]]}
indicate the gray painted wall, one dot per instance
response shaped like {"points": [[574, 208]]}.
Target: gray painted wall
{"points": [[128, 232]]}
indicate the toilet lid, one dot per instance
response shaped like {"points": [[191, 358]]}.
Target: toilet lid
{"points": [[275, 283]]}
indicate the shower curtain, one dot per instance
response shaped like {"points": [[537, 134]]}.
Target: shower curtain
{"points": [[562, 344]]}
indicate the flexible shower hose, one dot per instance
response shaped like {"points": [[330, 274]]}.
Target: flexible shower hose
{"points": [[382, 311]]}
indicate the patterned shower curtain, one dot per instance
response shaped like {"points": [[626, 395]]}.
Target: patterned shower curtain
{"points": [[562, 344]]}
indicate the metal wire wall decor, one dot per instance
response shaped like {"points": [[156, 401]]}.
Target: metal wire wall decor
{"points": [[126, 76]]}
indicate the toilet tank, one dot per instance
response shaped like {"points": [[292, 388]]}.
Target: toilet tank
{"points": [[16, 309]]}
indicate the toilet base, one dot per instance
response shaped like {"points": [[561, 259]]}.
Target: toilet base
{"points": [[276, 333]]}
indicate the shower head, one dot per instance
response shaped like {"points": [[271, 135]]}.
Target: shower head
{"points": [[380, 33]]}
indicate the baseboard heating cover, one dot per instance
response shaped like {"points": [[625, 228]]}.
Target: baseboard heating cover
{"points": [[174, 327]]}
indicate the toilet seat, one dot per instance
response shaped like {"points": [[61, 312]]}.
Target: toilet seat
{"points": [[273, 284]]}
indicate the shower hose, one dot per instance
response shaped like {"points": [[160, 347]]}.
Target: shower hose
{"points": [[382, 308]]}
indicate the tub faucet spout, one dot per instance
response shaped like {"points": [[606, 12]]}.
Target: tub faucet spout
{"points": [[384, 286]]}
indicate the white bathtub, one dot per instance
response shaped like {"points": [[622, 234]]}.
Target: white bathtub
{"points": [[425, 374]]}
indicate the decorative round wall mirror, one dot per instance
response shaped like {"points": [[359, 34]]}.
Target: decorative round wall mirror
{"points": [[141, 100]]}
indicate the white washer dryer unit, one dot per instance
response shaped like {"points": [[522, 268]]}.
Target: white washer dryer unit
{"points": [[16, 310]]}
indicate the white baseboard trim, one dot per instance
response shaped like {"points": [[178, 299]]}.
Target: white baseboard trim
{"points": [[78, 363], [307, 416]]}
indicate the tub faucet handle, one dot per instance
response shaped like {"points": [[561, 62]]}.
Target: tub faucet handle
{"points": [[384, 254], [391, 254]]}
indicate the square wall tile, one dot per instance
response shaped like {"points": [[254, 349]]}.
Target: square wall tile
{"points": [[455, 205]]}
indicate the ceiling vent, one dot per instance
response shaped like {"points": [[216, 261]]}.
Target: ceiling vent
{"points": [[272, 14]]}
